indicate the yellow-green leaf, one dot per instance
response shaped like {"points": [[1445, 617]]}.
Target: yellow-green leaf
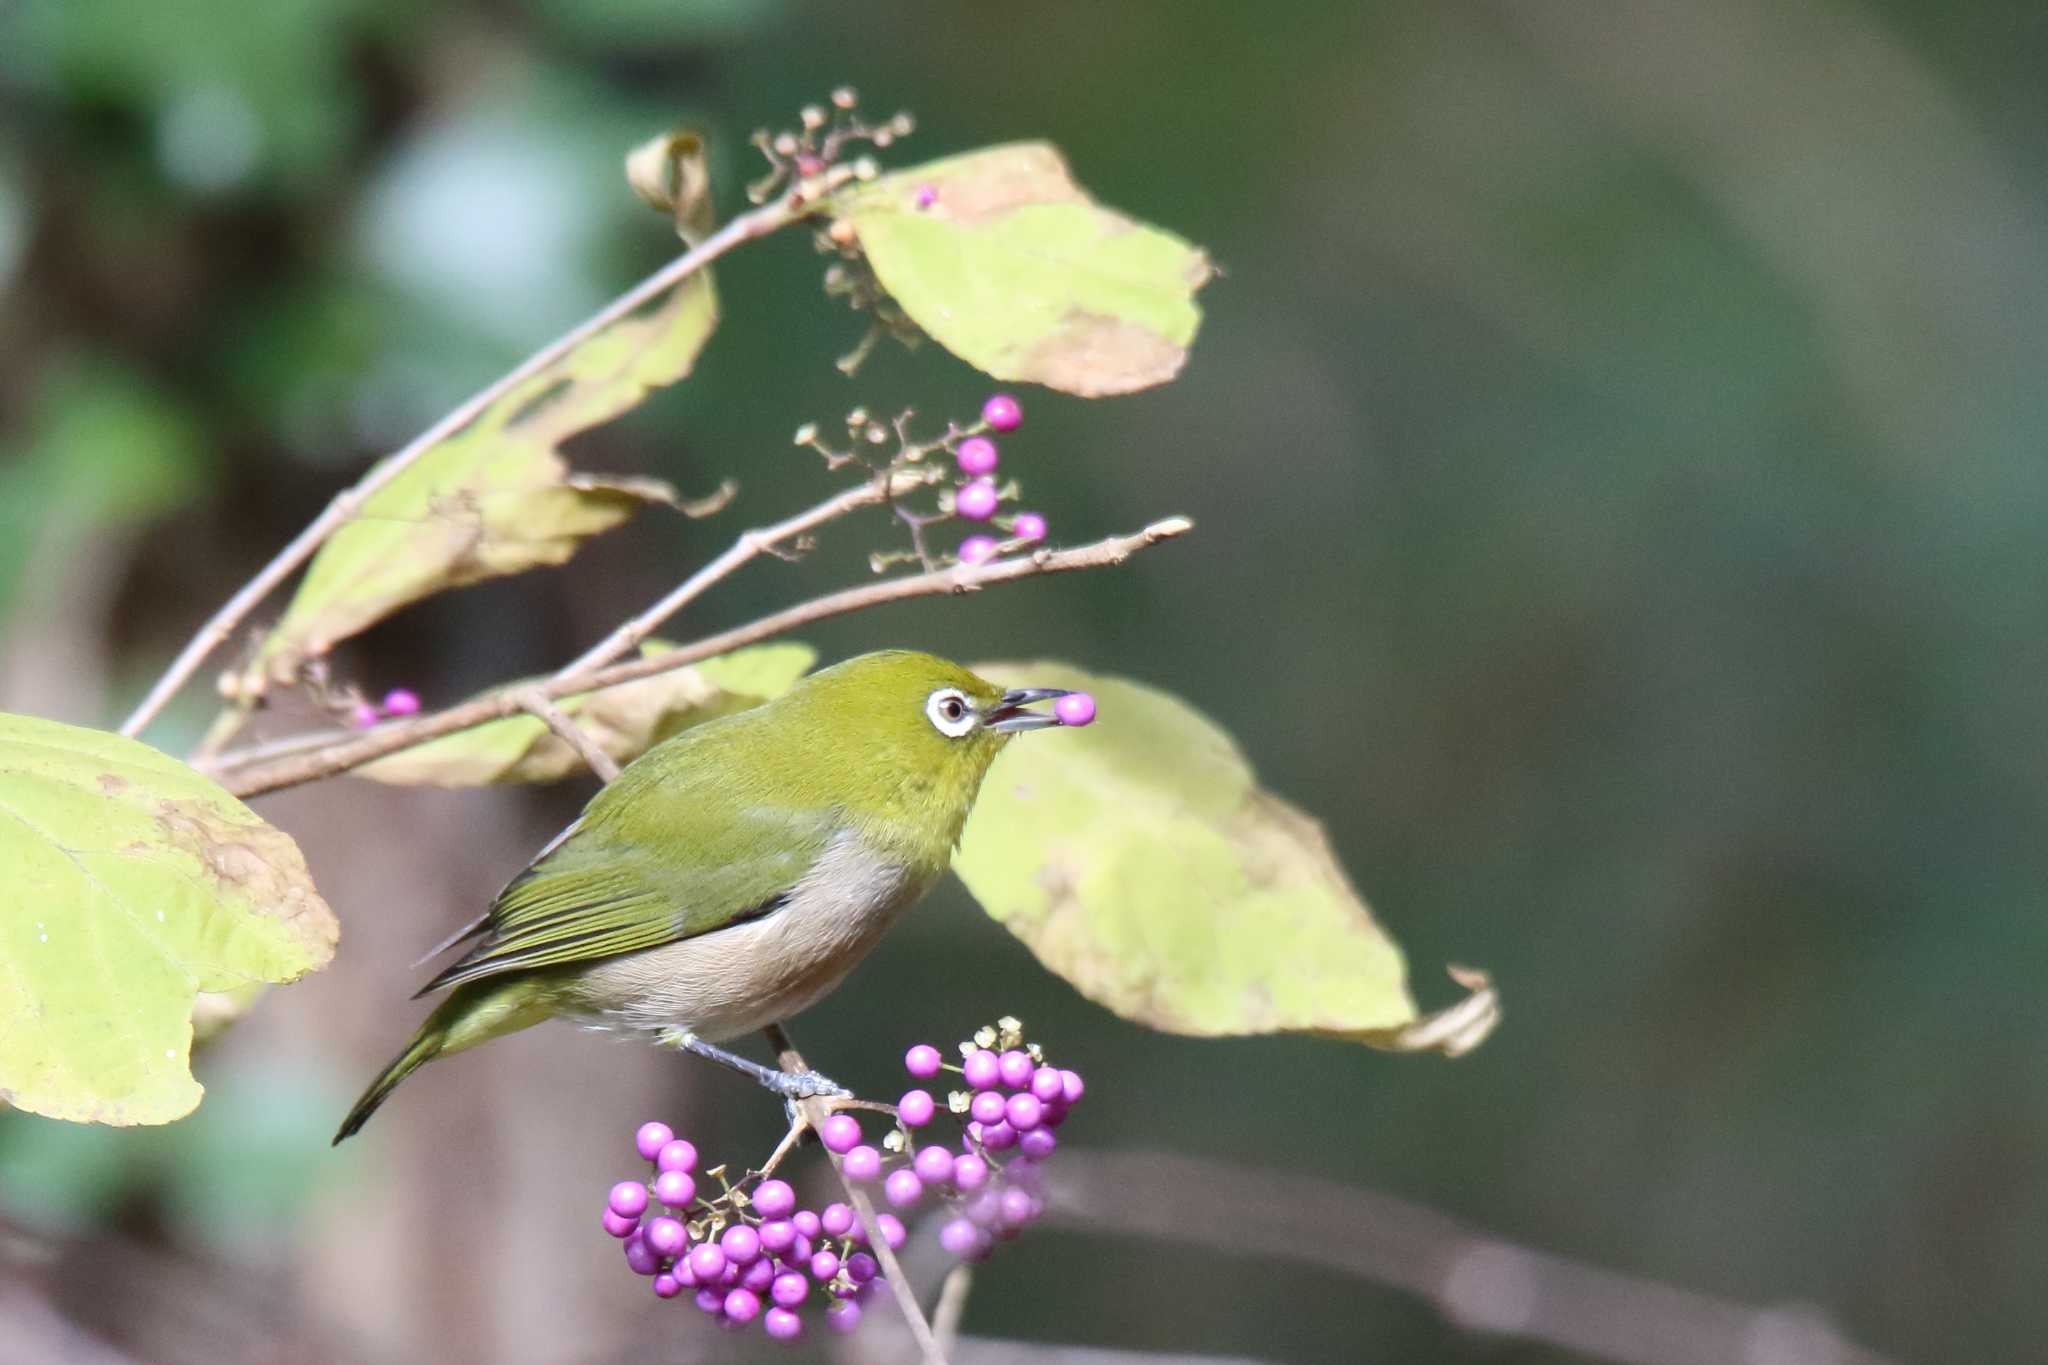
{"points": [[624, 721], [1003, 260], [133, 885], [1140, 860], [497, 497]]}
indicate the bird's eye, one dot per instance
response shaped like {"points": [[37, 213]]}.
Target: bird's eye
{"points": [[949, 711]]}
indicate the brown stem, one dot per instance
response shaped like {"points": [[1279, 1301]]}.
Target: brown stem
{"points": [[353, 752], [745, 228], [533, 700], [749, 545], [816, 1110], [952, 1305]]}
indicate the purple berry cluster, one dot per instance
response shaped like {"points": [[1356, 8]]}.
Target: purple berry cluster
{"points": [[974, 495], [748, 1253], [399, 701]]}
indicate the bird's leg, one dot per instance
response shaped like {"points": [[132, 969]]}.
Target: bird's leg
{"points": [[791, 1085]]}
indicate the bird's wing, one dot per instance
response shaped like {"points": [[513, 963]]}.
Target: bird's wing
{"points": [[598, 893]]}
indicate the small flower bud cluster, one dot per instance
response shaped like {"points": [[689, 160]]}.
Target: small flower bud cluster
{"points": [[748, 1253], [799, 155]]}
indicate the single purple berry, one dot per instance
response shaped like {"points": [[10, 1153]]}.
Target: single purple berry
{"points": [[774, 1199], [916, 1108], [1045, 1084], [977, 549], [711, 1300], [730, 1276], [902, 1188], [1071, 1088], [1075, 709], [863, 1163], [778, 1235], [651, 1138], [1024, 1111], [685, 1276], [1015, 1068], [742, 1305], [628, 1199], [666, 1236], [741, 1244], [840, 1133], [927, 195], [363, 716], [987, 1107], [934, 1165], [799, 1250], [893, 1231], [1055, 1115], [1014, 1209], [824, 1265], [1002, 413], [981, 1069], [970, 1173], [707, 1262], [923, 1061], [782, 1325], [401, 701], [643, 1259], [667, 1286], [679, 1155], [1037, 1144], [675, 1188], [619, 1226], [998, 1137], [977, 501], [977, 455], [759, 1276], [1028, 526], [959, 1238], [984, 1208], [861, 1267], [843, 1316], [837, 1220], [807, 1223]]}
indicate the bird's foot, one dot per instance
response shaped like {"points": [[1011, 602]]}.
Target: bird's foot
{"points": [[804, 1085]]}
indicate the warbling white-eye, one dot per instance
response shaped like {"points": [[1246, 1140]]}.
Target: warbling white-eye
{"points": [[732, 875]]}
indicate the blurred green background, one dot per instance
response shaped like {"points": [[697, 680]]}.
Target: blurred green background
{"points": [[1617, 461]]}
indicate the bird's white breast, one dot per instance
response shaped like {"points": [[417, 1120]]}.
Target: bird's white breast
{"points": [[735, 980]]}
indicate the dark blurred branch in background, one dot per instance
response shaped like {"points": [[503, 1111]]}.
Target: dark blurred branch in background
{"points": [[1478, 1281]]}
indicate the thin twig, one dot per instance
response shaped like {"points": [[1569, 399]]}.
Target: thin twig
{"points": [[952, 1305], [816, 1110], [745, 228], [345, 754], [750, 544], [533, 700]]}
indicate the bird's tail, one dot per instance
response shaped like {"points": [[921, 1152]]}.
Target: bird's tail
{"points": [[472, 1014]]}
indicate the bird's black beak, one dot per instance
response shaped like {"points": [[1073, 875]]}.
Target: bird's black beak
{"points": [[1010, 717]]}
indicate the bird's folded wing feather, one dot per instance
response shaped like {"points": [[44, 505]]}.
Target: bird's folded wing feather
{"points": [[679, 868]]}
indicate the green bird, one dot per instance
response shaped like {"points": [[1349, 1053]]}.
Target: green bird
{"points": [[732, 875]]}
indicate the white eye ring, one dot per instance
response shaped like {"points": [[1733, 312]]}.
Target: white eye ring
{"points": [[950, 712]]}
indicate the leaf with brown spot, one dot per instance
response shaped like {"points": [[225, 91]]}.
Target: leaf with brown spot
{"points": [[1013, 268], [1140, 860], [135, 889]]}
